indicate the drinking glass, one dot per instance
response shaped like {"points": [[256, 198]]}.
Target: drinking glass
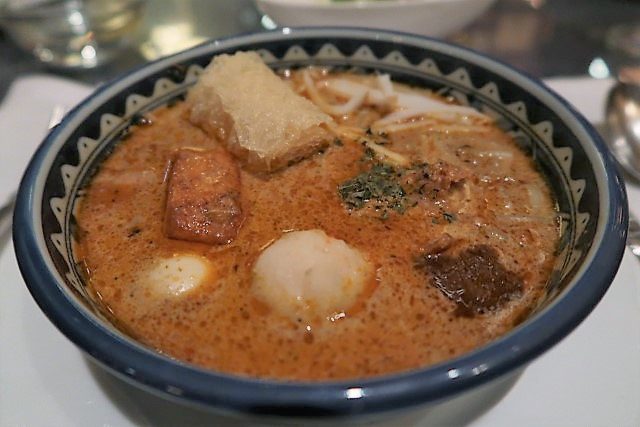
{"points": [[72, 33]]}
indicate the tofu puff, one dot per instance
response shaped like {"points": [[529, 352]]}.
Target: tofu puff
{"points": [[239, 100], [364, 227]]}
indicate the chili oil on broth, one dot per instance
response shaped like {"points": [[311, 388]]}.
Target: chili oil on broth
{"points": [[402, 322]]}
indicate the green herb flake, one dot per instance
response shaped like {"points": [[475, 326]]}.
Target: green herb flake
{"points": [[133, 231], [368, 156], [379, 185], [449, 217]]}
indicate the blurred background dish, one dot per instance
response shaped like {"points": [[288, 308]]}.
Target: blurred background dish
{"points": [[426, 17], [545, 38]]}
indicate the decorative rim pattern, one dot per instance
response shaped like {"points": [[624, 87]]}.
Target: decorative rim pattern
{"points": [[65, 159]]}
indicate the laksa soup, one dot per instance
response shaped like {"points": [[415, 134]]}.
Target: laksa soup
{"points": [[315, 225]]}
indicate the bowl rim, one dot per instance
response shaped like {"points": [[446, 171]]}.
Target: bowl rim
{"points": [[172, 378]]}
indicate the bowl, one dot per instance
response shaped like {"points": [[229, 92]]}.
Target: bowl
{"points": [[434, 18], [589, 191]]}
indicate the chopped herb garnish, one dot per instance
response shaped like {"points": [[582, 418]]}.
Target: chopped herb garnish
{"points": [[380, 138], [449, 217], [380, 184], [368, 155], [385, 188], [338, 142], [133, 231]]}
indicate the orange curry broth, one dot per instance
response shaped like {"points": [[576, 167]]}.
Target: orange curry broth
{"points": [[401, 323]]}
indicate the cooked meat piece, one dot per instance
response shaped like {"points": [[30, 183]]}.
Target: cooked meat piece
{"points": [[203, 197], [239, 100], [432, 179], [475, 279]]}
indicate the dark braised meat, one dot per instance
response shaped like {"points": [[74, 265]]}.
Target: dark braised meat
{"points": [[474, 278], [203, 197]]}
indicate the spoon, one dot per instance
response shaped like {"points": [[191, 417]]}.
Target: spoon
{"points": [[623, 120], [623, 126]]}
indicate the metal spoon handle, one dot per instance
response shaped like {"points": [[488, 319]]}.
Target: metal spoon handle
{"points": [[633, 237], [6, 211]]}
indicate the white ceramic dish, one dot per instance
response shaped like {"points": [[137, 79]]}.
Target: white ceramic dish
{"points": [[434, 18]]}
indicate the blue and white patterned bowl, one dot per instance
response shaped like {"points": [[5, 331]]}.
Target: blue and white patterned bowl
{"points": [[588, 188]]}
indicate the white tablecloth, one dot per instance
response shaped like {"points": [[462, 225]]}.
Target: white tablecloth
{"points": [[592, 378]]}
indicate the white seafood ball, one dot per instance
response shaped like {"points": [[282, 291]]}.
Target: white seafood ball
{"points": [[177, 275], [309, 275]]}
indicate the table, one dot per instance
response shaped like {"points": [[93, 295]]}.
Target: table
{"points": [[590, 378], [542, 37]]}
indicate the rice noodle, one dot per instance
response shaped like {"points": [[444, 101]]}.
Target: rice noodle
{"points": [[506, 200], [396, 159], [385, 85], [347, 88], [467, 197], [536, 198], [397, 127], [443, 152], [350, 106], [430, 125], [461, 200], [494, 154], [348, 132], [408, 105], [523, 218], [420, 106]]}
